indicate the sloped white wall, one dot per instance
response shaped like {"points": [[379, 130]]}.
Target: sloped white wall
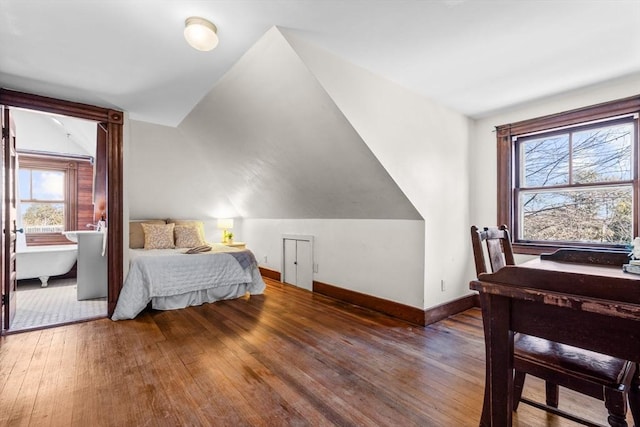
{"points": [[423, 146], [282, 147]]}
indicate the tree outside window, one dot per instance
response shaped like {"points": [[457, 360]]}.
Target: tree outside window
{"points": [[577, 185]]}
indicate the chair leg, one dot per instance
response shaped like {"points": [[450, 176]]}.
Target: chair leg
{"points": [[634, 397], [552, 394], [616, 404], [518, 385]]}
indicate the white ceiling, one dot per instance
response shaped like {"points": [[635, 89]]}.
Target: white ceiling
{"points": [[54, 133], [475, 56]]}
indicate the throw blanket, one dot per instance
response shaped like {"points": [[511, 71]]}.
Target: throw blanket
{"points": [[245, 258], [170, 272], [199, 249]]}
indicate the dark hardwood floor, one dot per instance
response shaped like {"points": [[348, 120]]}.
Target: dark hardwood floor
{"points": [[285, 358]]}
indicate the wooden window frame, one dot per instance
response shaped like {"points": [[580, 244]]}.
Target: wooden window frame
{"points": [[70, 167], [505, 135]]}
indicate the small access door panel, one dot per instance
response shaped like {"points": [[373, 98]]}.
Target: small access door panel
{"points": [[297, 261]]}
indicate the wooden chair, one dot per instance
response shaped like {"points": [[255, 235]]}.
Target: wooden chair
{"points": [[597, 375]]}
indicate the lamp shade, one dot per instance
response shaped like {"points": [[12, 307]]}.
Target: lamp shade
{"points": [[200, 33], [225, 224]]}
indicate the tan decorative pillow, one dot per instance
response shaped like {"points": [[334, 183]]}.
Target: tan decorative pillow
{"points": [[136, 233], [193, 222], [188, 236], [158, 236]]}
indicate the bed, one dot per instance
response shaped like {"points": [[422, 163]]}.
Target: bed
{"points": [[172, 279]]}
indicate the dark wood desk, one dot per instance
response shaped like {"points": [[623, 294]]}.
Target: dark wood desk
{"points": [[591, 306]]}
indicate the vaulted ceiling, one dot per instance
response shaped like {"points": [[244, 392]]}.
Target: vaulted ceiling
{"points": [[474, 56]]}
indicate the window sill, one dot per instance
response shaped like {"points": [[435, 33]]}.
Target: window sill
{"points": [[538, 249]]}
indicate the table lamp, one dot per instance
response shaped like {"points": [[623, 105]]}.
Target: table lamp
{"points": [[225, 224]]}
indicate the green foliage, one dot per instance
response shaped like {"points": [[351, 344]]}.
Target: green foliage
{"points": [[41, 214]]}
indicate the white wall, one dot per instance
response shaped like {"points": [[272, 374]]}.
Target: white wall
{"points": [[423, 146], [170, 176], [375, 257], [483, 173]]}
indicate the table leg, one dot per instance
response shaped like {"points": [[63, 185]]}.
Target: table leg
{"points": [[498, 398]]}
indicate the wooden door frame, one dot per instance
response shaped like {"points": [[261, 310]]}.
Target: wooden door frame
{"points": [[113, 120], [9, 237]]}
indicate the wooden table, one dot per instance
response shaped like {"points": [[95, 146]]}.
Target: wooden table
{"points": [[580, 303]]}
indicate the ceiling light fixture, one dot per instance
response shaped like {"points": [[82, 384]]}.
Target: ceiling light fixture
{"points": [[200, 33]]}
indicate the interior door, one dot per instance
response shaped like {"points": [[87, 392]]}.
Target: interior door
{"points": [[9, 219]]}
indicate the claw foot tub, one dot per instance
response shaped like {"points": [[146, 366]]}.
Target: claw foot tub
{"points": [[44, 261]]}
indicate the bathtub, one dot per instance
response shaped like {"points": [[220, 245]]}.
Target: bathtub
{"points": [[45, 261]]}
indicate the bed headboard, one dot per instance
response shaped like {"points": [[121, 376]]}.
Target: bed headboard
{"points": [[136, 234]]}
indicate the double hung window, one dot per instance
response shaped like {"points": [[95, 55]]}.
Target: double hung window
{"points": [[571, 179], [42, 200], [47, 188]]}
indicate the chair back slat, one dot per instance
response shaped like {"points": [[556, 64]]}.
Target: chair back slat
{"points": [[496, 258], [498, 248]]}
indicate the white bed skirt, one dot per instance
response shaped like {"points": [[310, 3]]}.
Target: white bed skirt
{"points": [[200, 297]]}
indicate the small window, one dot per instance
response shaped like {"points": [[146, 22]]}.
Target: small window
{"points": [[42, 200], [48, 192], [571, 179]]}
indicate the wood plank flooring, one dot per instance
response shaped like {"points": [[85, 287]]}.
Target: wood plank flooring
{"points": [[285, 358]]}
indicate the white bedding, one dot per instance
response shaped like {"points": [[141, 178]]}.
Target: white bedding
{"points": [[171, 279]]}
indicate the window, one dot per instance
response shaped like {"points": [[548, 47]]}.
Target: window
{"points": [[42, 200], [48, 191], [571, 179]]}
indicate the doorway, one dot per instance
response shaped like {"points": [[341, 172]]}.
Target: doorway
{"points": [[111, 122], [59, 189]]}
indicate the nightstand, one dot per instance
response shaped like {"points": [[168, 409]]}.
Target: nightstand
{"points": [[239, 245]]}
